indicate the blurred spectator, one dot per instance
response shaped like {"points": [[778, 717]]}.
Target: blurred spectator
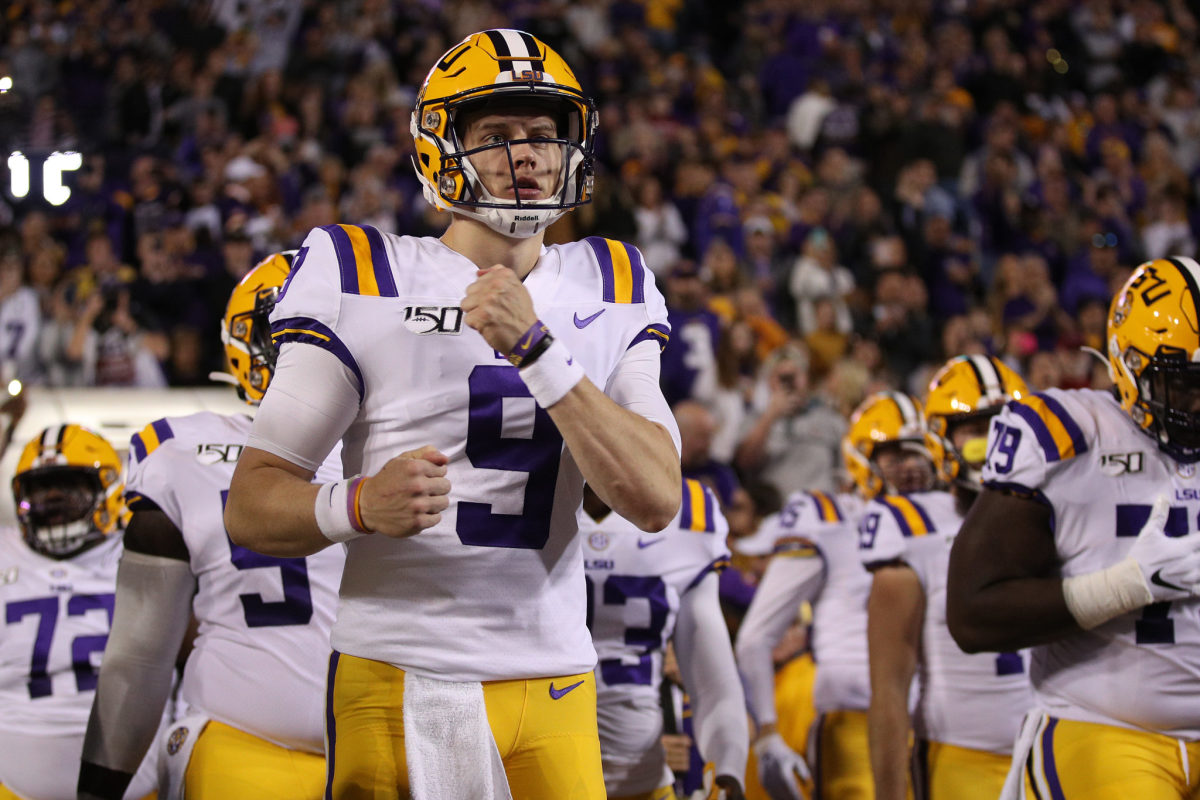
{"points": [[689, 360], [795, 439], [660, 229], [20, 322], [816, 276], [696, 429]]}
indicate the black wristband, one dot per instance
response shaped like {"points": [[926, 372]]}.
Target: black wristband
{"points": [[102, 782], [535, 352]]}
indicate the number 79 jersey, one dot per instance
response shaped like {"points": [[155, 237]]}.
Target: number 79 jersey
{"points": [[1078, 452], [494, 590], [261, 651]]}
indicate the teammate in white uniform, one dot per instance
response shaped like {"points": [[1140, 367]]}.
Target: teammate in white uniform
{"points": [[1065, 550], [816, 560], [475, 381], [56, 592], [253, 687], [969, 707], [644, 589]]}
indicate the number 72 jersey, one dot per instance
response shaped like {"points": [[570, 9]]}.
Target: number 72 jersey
{"points": [[1078, 452]]}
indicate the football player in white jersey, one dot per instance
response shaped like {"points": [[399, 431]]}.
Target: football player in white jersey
{"points": [[57, 576], [253, 687], [816, 560], [969, 707], [642, 591], [1084, 545], [475, 380]]}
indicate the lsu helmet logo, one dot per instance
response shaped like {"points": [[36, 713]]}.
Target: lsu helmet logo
{"points": [[176, 740]]}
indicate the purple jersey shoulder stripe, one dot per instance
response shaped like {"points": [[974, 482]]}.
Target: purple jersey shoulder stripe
{"points": [[638, 273], [138, 446], [1040, 431], [716, 565], [310, 331], [924, 516], [163, 430], [380, 263], [599, 246], [659, 334], [345, 256], [139, 502], [905, 529], [1068, 422]]}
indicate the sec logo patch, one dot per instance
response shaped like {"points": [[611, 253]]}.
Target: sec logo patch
{"points": [[176, 740], [598, 540]]}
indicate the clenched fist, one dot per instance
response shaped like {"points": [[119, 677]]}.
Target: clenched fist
{"points": [[407, 495], [498, 305]]}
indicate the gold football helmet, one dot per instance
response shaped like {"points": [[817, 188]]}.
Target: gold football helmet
{"points": [[68, 491], [500, 69], [1154, 353], [246, 328], [881, 419], [966, 388]]}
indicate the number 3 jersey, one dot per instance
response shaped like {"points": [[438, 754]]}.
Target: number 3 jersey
{"points": [[635, 582], [494, 590], [966, 700], [262, 648], [1078, 452]]}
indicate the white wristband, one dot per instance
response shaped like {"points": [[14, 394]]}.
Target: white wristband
{"points": [[553, 375], [337, 511], [1097, 597]]}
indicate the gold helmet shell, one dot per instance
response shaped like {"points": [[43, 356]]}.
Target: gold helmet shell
{"points": [[965, 387], [69, 491], [246, 327], [883, 418], [501, 69]]}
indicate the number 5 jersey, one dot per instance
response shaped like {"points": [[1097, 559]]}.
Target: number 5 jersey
{"points": [[1080, 454], [259, 660], [495, 590]]}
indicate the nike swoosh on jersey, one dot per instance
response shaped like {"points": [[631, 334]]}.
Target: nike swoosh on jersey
{"points": [[642, 545], [583, 323], [1158, 580], [557, 693]]}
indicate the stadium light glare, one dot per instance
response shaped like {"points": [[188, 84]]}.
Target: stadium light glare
{"points": [[6, 84], [18, 174], [52, 169], [14, 387]]}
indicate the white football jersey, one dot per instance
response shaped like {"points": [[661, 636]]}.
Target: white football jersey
{"points": [[819, 525], [20, 324], [262, 649], [634, 584], [57, 616], [493, 591], [1079, 452], [974, 701]]}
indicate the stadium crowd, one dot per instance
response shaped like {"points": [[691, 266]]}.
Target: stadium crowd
{"points": [[845, 193]]}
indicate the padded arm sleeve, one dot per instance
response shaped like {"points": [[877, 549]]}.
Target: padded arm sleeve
{"points": [[634, 386], [312, 399], [153, 606], [787, 583], [710, 675]]}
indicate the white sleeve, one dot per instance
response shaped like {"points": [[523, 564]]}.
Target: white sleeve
{"points": [[788, 582], [710, 676], [634, 385], [311, 401]]}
